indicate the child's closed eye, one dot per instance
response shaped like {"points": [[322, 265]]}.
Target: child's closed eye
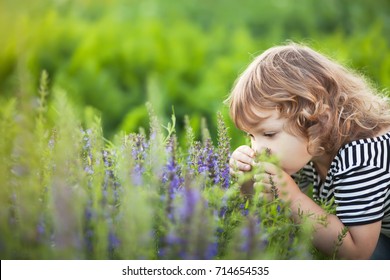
{"points": [[269, 134]]}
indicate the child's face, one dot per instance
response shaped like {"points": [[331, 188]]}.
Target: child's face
{"points": [[289, 149]]}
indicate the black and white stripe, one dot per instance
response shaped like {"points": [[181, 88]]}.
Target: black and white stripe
{"points": [[358, 180]]}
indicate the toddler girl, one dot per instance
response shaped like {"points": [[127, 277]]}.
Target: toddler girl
{"points": [[329, 128]]}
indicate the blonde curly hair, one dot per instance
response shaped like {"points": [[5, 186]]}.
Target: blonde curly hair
{"points": [[323, 101]]}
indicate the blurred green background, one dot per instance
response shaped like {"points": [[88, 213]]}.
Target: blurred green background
{"points": [[115, 55]]}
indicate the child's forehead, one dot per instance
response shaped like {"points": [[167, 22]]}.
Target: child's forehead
{"points": [[259, 117], [263, 115]]}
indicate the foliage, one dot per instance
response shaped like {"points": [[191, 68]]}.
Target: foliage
{"points": [[67, 193], [115, 55]]}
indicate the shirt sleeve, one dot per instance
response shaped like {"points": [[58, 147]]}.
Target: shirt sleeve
{"points": [[360, 193]]}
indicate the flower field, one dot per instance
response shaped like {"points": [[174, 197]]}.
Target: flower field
{"points": [[68, 193], [94, 162]]}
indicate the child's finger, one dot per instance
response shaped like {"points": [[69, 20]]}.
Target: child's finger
{"points": [[241, 159], [246, 150], [244, 158], [268, 168], [244, 154], [236, 165]]}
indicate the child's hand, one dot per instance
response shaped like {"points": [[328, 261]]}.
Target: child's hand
{"points": [[241, 160], [275, 183]]}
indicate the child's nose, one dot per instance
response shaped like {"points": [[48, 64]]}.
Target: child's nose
{"points": [[260, 148], [257, 147]]}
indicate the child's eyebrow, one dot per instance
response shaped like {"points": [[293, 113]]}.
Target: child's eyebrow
{"points": [[256, 128], [265, 124]]}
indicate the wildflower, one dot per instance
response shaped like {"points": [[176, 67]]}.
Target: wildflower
{"points": [[191, 199], [190, 235], [244, 210], [41, 228], [88, 229], [223, 151], [52, 141], [139, 146], [211, 159], [113, 242], [88, 169], [212, 250], [202, 164], [86, 150], [222, 211], [251, 237], [171, 175], [87, 139]]}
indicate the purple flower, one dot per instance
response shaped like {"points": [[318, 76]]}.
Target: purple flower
{"points": [[171, 176], [244, 211], [191, 199], [41, 228], [88, 229], [225, 176], [251, 241], [222, 211], [139, 147], [87, 139], [87, 154], [113, 242], [137, 175], [212, 250], [223, 151], [88, 169]]}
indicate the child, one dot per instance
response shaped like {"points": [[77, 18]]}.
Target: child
{"points": [[328, 128]]}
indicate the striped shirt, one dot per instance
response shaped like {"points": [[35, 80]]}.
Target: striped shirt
{"points": [[358, 180]]}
